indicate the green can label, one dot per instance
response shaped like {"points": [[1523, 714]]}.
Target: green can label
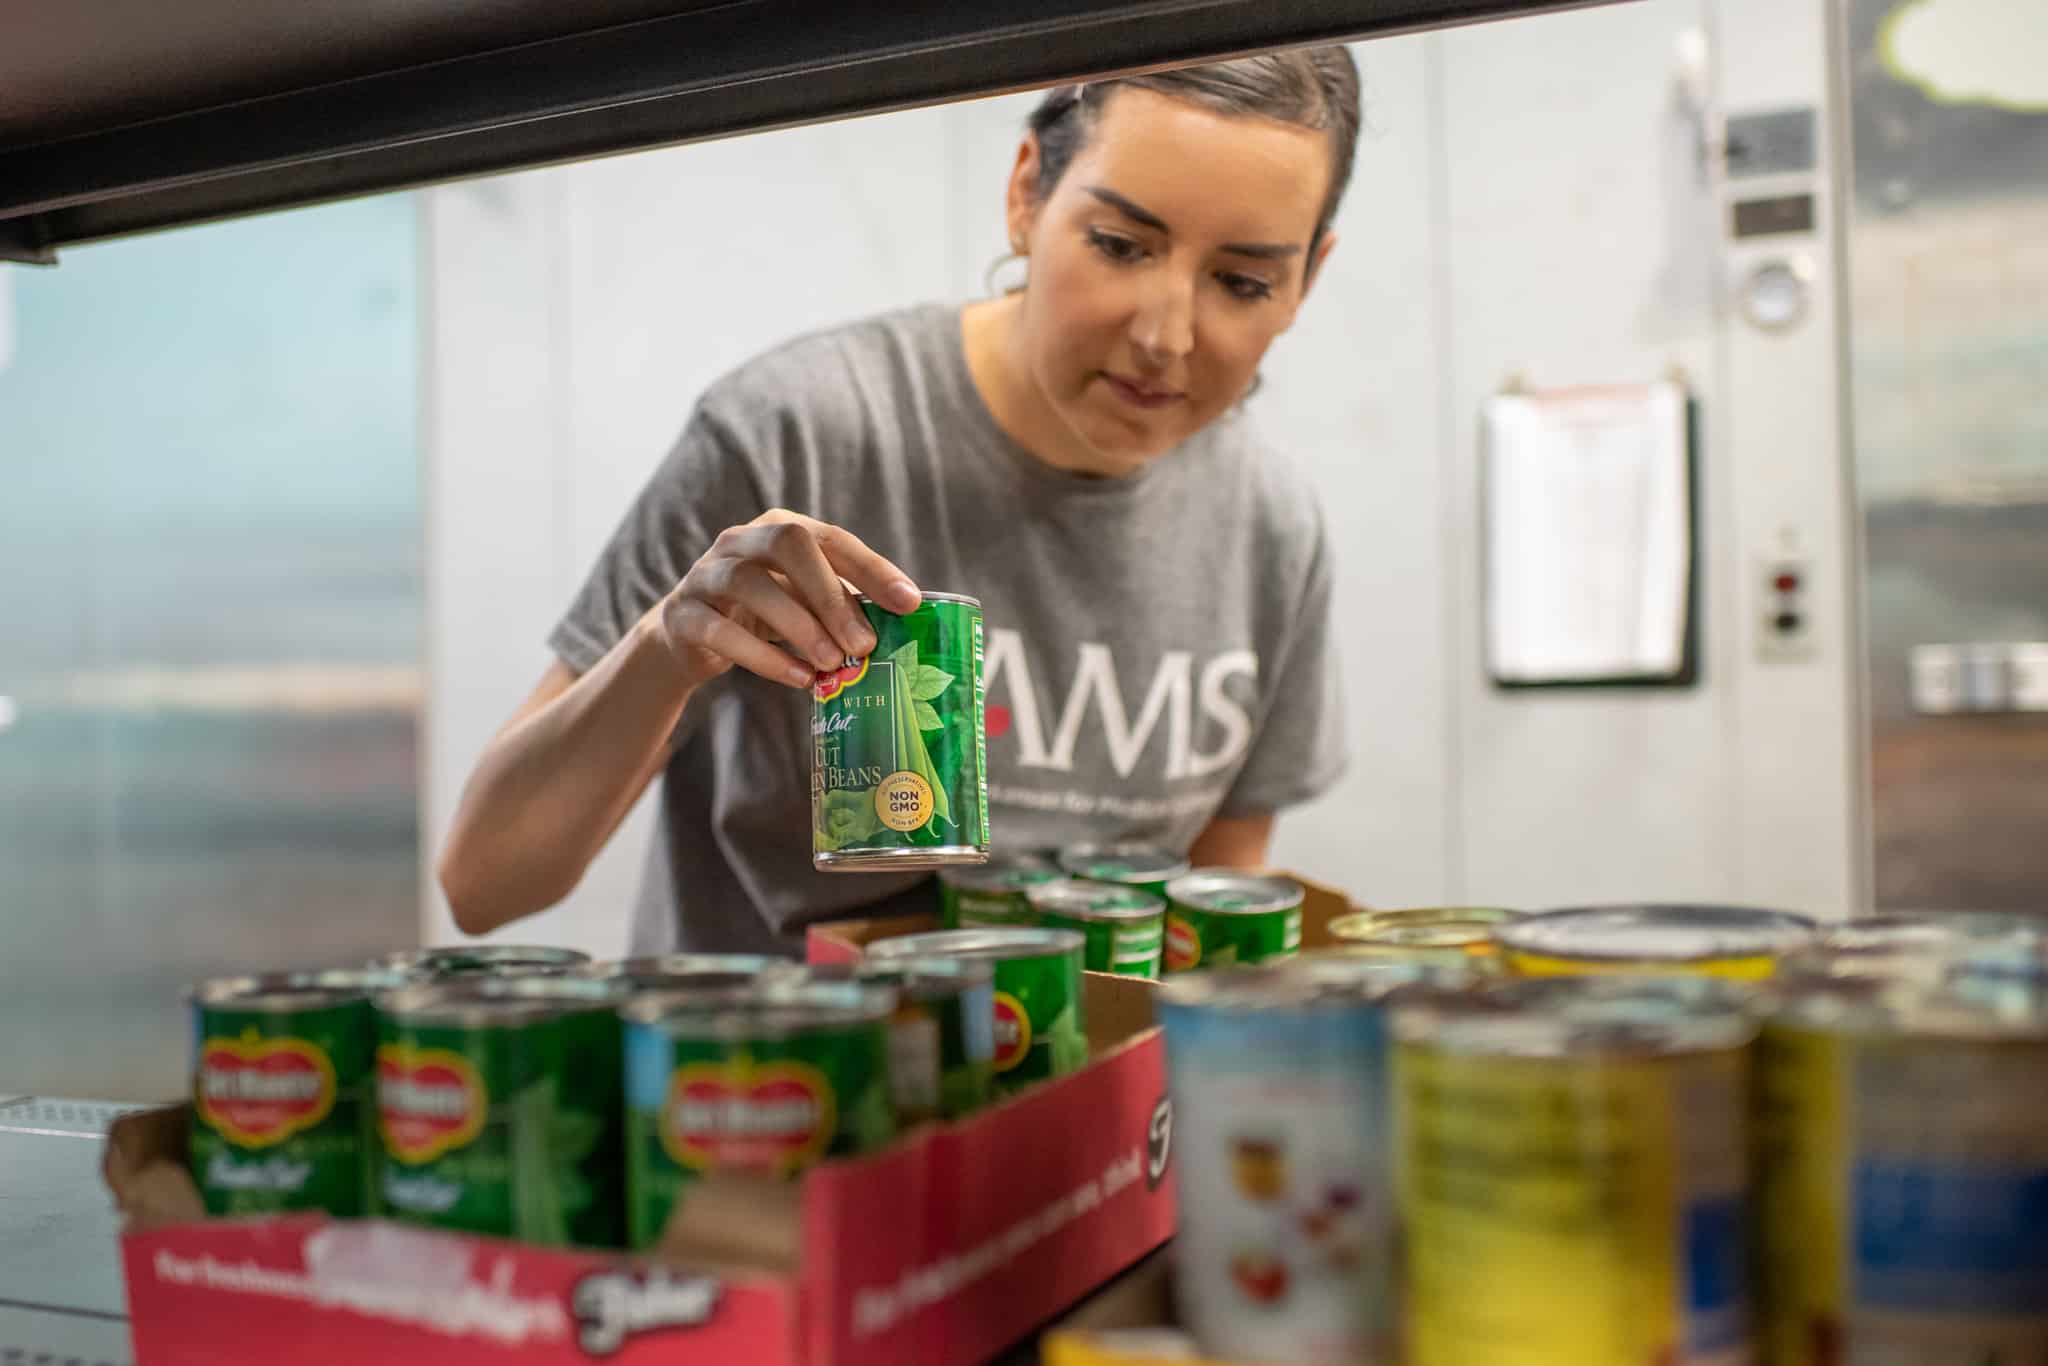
{"points": [[1123, 927], [1038, 1031], [898, 746], [772, 1105], [1207, 938], [994, 894], [281, 1100], [509, 1129]]}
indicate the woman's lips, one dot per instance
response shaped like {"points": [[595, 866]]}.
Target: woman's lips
{"points": [[1140, 395]]}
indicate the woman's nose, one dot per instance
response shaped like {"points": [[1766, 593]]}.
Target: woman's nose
{"points": [[1163, 329]]}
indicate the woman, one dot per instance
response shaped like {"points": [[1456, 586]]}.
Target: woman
{"points": [[1156, 586]]}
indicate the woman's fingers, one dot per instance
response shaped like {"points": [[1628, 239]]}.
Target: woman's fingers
{"points": [[696, 624]]}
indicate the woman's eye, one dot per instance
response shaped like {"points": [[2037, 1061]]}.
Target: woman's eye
{"points": [[1247, 287], [1120, 249]]}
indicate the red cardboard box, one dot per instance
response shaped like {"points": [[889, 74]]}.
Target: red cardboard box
{"points": [[946, 1247]]}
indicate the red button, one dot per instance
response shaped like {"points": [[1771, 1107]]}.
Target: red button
{"points": [[1785, 583]]}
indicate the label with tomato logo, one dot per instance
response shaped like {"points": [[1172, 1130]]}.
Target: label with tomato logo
{"points": [[773, 1117], [1183, 943], [430, 1102], [831, 683], [257, 1092], [1013, 1032]]}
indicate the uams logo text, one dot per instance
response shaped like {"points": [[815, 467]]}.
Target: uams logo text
{"points": [[258, 1091], [1172, 695], [773, 1117], [429, 1101]]}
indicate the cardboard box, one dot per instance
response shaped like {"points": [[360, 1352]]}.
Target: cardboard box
{"points": [[947, 1246], [841, 941], [1123, 1325]]}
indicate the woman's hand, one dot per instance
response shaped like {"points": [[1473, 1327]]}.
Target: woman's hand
{"points": [[775, 597]]}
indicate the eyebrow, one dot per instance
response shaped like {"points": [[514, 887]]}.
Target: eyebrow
{"points": [[1138, 213]]}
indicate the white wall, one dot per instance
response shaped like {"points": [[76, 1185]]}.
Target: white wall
{"points": [[1525, 201]]}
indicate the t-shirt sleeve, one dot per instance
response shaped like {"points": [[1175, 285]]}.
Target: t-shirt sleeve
{"points": [[709, 481], [1300, 749]]}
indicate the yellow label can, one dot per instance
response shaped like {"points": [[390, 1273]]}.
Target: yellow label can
{"points": [[1732, 942]]}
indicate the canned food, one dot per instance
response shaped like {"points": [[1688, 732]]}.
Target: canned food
{"points": [[1124, 926], [750, 1081], [498, 1102], [1369, 924], [1920, 948], [942, 1036], [480, 960], [674, 971], [1902, 1173], [1040, 1028], [1219, 917], [899, 752], [281, 1092], [1147, 867], [1714, 941], [1286, 1242], [1571, 1159], [993, 894], [1446, 943]]}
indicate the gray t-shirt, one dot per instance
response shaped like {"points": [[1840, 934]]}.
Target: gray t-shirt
{"points": [[1158, 647]]}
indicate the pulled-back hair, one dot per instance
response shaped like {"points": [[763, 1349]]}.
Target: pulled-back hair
{"points": [[1310, 87]]}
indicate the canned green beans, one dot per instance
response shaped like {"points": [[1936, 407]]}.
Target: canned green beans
{"points": [[749, 1080], [1219, 917], [480, 960], [941, 1036], [1147, 867], [1040, 1029], [675, 971], [993, 894], [1124, 926], [280, 1092], [498, 1102], [898, 763]]}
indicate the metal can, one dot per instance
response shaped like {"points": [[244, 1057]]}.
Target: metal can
{"points": [[1921, 948], [1219, 917], [1714, 941], [942, 1036], [1038, 1016], [498, 1101], [1572, 1169], [676, 971], [1148, 867], [993, 894], [1446, 943], [752, 1081], [281, 1092], [480, 960], [1278, 1075], [1370, 924], [1124, 926], [1902, 1173], [899, 757]]}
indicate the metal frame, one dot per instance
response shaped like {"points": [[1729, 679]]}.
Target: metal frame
{"points": [[738, 68]]}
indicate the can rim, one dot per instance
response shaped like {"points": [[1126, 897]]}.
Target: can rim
{"points": [[1738, 932], [735, 1013], [1568, 1017], [459, 1005], [1047, 897], [1298, 984], [1281, 894], [998, 942], [1147, 862], [910, 858], [925, 596], [926, 978], [331, 985], [984, 876]]}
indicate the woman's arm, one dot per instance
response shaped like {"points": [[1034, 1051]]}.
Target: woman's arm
{"points": [[554, 784], [1234, 842]]}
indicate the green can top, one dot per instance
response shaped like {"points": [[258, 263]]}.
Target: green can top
{"points": [[1081, 899], [458, 960], [918, 979], [1002, 873], [1122, 862], [284, 992], [1652, 933], [960, 599], [1223, 891], [685, 970], [743, 1014], [994, 944], [1580, 1017]]}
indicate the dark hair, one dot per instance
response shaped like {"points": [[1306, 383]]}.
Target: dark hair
{"points": [[1311, 87]]}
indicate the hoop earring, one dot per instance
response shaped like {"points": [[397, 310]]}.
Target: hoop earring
{"points": [[988, 277]]}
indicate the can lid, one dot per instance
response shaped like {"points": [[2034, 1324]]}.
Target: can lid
{"points": [[919, 979], [1657, 934], [1002, 873], [1122, 862], [1306, 983], [926, 595], [1223, 891], [1568, 1017], [455, 960], [1367, 924], [286, 991], [1086, 900], [685, 969], [464, 1006], [737, 1014], [565, 990], [994, 943]]}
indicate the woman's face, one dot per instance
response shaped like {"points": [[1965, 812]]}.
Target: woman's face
{"points": [[1170, 255]]}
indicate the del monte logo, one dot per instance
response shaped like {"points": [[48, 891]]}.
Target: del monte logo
{"points": [[1013, 1031], [430, 1101], [833, 682], [1183, 945], [257, 1091], [773, 1117]]}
